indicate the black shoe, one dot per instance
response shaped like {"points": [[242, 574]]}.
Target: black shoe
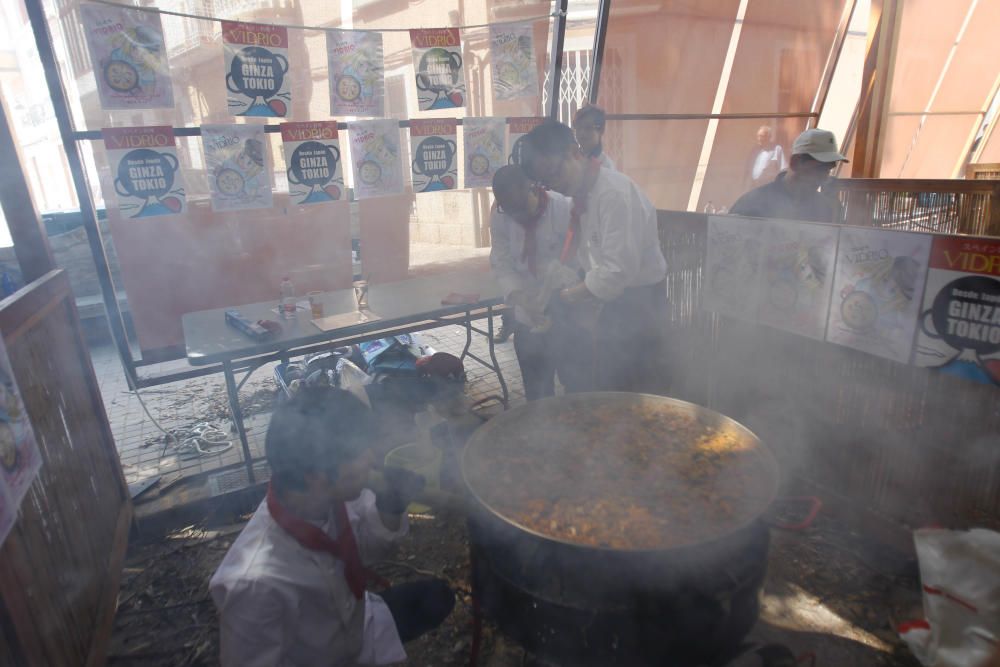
{"points": [[502, 335]]}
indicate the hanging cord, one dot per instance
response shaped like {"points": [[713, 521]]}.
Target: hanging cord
{"points": [[200, 17], [202, 439]]}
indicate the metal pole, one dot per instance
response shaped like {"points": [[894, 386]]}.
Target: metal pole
{"points": [[31, 245], [234, 407], [43, 40], [597, 61], [833, 59], [556, 58]]}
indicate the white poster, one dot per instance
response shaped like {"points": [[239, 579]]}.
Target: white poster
{"points": [[357, 73], [512, 49], [129, 57], [376, 158], [144, 165], [798, 261], [877, 291], [236, 163], [257, 78], [20, 459], [733, 266], [485, 152]]}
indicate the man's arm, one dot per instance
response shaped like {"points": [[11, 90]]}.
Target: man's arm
{"points": [[502, 260], [617, 255], [375, 531]]}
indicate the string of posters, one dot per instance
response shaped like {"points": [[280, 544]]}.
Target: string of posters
{"points": [[925, 299], [132, 70]]}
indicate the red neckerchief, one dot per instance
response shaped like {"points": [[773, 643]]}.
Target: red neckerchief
{"points": [[345, 548], [529, 253], [579, 208]]}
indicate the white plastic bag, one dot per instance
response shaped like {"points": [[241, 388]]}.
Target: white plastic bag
{"points": [[960, 576], [353, 379]]}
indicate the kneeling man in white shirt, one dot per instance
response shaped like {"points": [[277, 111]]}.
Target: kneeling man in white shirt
{"points": [[292, 590]]}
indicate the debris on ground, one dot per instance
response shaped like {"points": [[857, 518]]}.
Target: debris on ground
{"points": [[829, 594]]}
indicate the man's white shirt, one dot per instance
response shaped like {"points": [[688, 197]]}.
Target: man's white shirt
{"points": [[620, 247], [284, 605], [507, 252]]}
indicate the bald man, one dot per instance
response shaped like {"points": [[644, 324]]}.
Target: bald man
{"points": [[767, 159]]}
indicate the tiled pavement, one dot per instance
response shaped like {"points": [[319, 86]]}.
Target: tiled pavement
{"points": [[182, 405]]}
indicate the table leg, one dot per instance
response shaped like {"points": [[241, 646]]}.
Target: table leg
{"points": [[468, 335], [234, 408], [493, 356]]}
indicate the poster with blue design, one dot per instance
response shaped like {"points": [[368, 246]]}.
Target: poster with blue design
{"points": [[257, 81], [129, 57], [435, 155], [147, 178], [312, 153], [236, 163], [958, 331], [437, 59], [485, 140], [877, 290], [376, 158], [357, 73]]}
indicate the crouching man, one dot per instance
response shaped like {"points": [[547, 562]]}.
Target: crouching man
{"points": [[292, 588]]}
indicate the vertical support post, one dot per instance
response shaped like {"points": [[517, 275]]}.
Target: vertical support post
{"points": [[597, 57], [26, 229], [833, 59], [876, 82], [556, 58], [237, 413], [43, 41]]}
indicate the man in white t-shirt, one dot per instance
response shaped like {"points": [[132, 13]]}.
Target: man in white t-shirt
{"points": [[291, 590], [767, 159], [614, 233]]}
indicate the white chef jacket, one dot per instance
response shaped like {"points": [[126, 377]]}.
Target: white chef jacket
{"points": [[607, 162], [620, 246], [284, 605], [506, 254]]}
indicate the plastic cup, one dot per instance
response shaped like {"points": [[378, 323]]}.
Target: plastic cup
{"points": [[316, 304], [361, 294]]}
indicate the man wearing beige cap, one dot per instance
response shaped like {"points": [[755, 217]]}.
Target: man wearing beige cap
{"points": [[795, 194]]}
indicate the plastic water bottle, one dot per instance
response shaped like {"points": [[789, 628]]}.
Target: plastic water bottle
{"points": [[288, 303]]}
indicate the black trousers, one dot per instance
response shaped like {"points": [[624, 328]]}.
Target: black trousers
{"points": [[418, 606], [626, 350], [536, 357]]}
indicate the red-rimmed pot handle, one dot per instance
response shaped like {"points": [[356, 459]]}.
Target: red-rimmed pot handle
{"points": [[814, 505]]}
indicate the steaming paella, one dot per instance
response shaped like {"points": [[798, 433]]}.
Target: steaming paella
{"points": [[627, 472]]}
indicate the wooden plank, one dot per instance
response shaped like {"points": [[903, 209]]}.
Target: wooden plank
{"points": [[80, 496], [109, 603]]}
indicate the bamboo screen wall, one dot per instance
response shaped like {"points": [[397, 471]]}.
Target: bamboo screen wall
{"points": [[61, 564], [907, 443]]}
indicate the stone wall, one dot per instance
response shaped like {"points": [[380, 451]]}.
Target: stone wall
{"points": [[447, 219], [72, 252]]}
